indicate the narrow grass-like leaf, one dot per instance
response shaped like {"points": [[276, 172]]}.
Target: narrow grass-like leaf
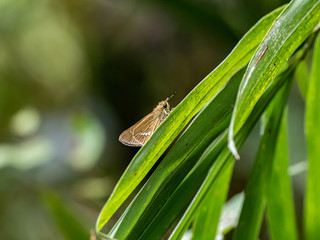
{"points": [[209, 123], [185, 192], [256, 190], [312, 210], [290, 29], [206, 159], [205, 226], [217, 182], [170, 211], [179, 200], [280, 206], [302, 77], [182, 114]]}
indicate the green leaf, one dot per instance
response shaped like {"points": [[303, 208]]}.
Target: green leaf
{"points": [[280, 206], [256, 190], [173, 207], [210, 198], [209, 210], [211, 153], [208, 124], [164, 207], [290, 29], [312, 210], [182, 114], [302, 77]]}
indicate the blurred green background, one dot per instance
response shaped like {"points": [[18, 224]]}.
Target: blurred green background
{"points": [[75, 74]]}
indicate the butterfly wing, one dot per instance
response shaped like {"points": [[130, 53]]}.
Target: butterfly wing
{"points": [[139, 133]]}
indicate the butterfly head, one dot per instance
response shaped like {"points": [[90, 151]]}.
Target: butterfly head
{"points": [[162, 109], [164, 105]]}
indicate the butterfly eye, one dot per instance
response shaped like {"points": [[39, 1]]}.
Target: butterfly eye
{"points": [[165, 105]]}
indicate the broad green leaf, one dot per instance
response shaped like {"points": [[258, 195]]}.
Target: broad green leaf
{"points": [[302, 77], [183, 113], [280, 206], [312, 210], [256, 190], [290, 29]]}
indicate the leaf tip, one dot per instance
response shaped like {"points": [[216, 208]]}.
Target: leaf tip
{"points": [[233, 149]]}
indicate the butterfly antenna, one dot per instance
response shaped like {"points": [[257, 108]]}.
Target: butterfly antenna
{"points": [[170, 96]]}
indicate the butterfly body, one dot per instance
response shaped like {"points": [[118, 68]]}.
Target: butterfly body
{"points": [[139, 133]]}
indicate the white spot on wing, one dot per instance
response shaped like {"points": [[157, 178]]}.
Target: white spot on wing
{"points": [[145, 133]]}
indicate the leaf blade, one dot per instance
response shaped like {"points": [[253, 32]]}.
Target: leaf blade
{"points": [[280, 206], [312, 213], [302, 76], [290, 29], [176, 121], [173, 207], [206, 126], [211, 195], [256, 190]]}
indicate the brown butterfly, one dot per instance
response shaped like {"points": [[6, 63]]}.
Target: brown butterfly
{"points": [[139, 133]]}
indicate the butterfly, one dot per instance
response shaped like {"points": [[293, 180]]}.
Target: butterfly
{"points": [[139, 133]]}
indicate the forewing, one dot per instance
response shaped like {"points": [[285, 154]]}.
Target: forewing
{"points": [[139, 133]]}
